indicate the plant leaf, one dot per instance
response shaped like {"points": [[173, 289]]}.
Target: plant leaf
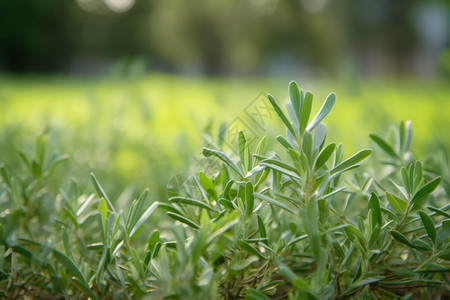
{"points": [[253, 294], [439, 211], [429, 226], [323, 111], [281, 114], [324, 155], [423, 193], [351, 161], [192, 202], [401, 238], [374, 205], [207, 185], [306, 112], [250, 249], [244, 148], [294, 94], [69, 265], [281, 167], [143, 218], [397, 204], [273, 202], [262, 228], [101, 192], [249, 199], [182, 219], [84, 287], [385, 146], [283, 141], [222, 156]]}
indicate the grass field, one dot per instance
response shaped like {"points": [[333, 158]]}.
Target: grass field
{"points": [[141, 132]]}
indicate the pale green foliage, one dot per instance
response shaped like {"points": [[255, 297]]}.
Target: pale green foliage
{"points": [[298, 221]]}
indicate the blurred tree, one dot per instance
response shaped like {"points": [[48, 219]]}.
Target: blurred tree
{"points": [[213, 37], [33, 34]]}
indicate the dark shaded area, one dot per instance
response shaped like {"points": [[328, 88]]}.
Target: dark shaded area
{"points": [[224, 37]]}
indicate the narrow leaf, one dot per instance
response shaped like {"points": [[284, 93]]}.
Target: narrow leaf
{"points": [[374, 205], [281, 169], [439, 211], [101, 192], [294, 93], [192, 202], [273, 202], [84, 287], [207, 185], [401, 238], [183, 220], [69, 265], [349, 162], [250, 249], [385, 146], [244, 149], [319, 136], [424, 191], [143, 218], [324, 155], [222, 156], [323, 112], [283, 141], [249, 199], [261, 228], [227, 203], [281, 114], [253, 294], [429, 226], [306, 112], [397, 204]]}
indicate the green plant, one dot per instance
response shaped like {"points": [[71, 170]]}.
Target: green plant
{"points": [[297, 221]]}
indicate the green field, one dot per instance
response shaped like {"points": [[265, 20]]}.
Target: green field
{"points": [[141, 132]]}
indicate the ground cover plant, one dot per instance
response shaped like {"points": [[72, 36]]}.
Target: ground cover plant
{"points": [[117, 127], [292, 220]]}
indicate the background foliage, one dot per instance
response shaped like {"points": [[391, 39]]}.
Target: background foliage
{"points": [[140, 131]]}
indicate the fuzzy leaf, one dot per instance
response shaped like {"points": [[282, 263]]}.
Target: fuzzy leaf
{"points": [[182, 219], [323, 111], [101, 192], [281, 114], [423, 193], [351, 161], [207, 185], [385, 146], [143, 218], [250, 249], [222, 156], [429, 226], [401, 238], [374, 205], [273, 202], [294, 94], [306, 112], [249, 199], [192, 202], [253, 294], [244, 149], [324, 155]]}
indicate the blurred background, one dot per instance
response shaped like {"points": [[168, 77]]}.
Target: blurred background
{"points": [[199, 37], [132, 89]]}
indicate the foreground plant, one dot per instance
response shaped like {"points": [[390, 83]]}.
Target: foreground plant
{"points": [[280, 223]]}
